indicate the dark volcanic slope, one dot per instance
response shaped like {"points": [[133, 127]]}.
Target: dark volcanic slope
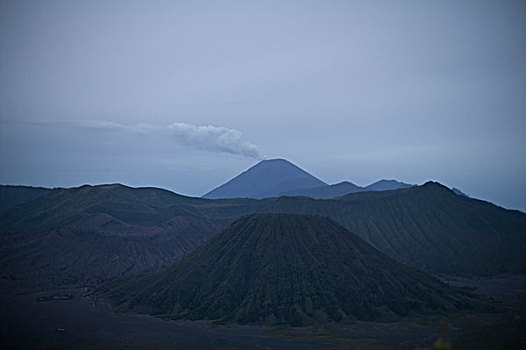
{"points": [[325, 192], [95, 233], [428, 227], [11, 196], [266, 179], [90, 234], [431, 227], [292, 269], [64, 206]]}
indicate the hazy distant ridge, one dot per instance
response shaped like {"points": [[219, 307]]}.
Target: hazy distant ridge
{"points": [[345, 187], [279, 177]]}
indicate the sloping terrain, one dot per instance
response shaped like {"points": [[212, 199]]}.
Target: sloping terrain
{"points": [[64, 206], [459, 192], [386, 185], [15, 195], [429, 227], [289, 269], [325, 192], [345, 188], [268, 178], [433, 228], [91, 234], [95, 233]]}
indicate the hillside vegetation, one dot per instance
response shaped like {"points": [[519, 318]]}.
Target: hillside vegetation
{"points": [[92, 234], [288, 269], [96, 233]]}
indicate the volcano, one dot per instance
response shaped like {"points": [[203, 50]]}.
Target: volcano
{"points": [[289, 269], [268, 178]]}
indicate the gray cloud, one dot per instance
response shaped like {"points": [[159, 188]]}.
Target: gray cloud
{"points": [[214, 138], [100, 125]]}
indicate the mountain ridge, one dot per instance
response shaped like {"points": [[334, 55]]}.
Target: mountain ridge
{"points": [[345, 187], [427, 227], [325, 192], [90, 234]]}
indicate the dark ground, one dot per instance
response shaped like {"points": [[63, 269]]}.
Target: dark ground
{"points": [[76, 323]]}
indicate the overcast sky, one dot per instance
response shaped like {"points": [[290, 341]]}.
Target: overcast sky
{"points": [[186, 94]]}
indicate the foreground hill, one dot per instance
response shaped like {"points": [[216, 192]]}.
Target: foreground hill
{"points": [[289, 269], [268, 178]]}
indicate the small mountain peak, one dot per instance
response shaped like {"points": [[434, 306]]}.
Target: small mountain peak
{"points": [[389, 181], [275, 160], [326, 191], [268, 178], [344, 183], [385, 184], [437, 185], [111, 186], [431, 183], [82, 186], [434, 184]]}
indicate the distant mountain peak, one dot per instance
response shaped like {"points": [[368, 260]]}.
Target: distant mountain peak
{"points": [[342, 183], [325, 192], [389, 181], [276, 160], [385, 184], [432, 183], [435, 184], [453, 189], [268, 178]]}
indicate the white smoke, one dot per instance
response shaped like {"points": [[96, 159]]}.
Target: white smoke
{"points": [[208, 138], [214, 138]]}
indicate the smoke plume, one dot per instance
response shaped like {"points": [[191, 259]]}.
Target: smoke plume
{"points": [[214, 138]]}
